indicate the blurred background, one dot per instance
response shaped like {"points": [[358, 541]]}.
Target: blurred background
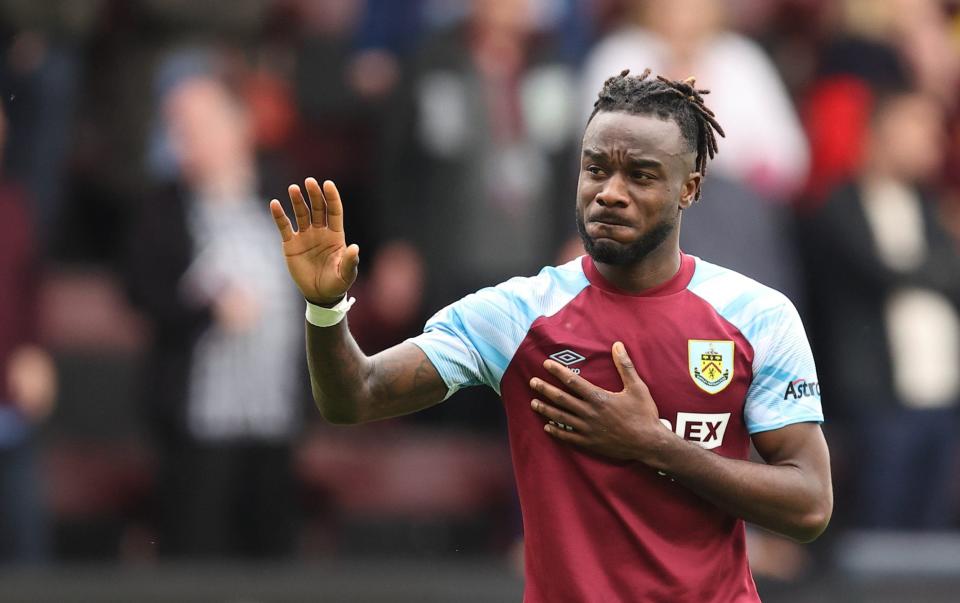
{"points": [[157, 437]]}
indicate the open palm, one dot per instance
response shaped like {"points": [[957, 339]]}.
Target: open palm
{"points": [[318, 258]]}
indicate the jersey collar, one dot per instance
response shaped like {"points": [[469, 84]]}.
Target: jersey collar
{"points": [[674, 284]]}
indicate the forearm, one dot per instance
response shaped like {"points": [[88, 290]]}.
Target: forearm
{"points": [[350, 387], [782, 497], [338, 372]]}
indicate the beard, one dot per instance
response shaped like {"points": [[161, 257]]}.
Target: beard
{"points": [[618, 254]]}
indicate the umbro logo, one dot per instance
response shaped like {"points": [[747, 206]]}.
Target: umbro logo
{"points": [[568, 358]]}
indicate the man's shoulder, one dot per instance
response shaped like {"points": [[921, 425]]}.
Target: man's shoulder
{"points": [[713, 278], [741, 300], [565, 280], [522, 298]]}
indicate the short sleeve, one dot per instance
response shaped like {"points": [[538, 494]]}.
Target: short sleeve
{"points": [[785, 388], [472, 341]]}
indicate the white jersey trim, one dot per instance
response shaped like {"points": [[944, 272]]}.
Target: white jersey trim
{"points": [[473, 340], [785, 388]]}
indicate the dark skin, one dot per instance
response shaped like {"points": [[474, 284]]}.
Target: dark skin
{"points": [[636, 174], [348, 386]]}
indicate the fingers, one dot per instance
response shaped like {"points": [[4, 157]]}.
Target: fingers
{"points": [[551, 413], [334, 206], [571, 380], [319, 213], [560, 398], [324, 210], [569, 437], [628, 372], [282, 221], [349, 262], [300, 209]]}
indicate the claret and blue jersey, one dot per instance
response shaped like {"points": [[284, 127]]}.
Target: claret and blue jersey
{"points": [[724, 357]]}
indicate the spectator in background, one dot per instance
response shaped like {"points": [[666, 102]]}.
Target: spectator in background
{"points": [[765, 246], [41, 65], [886, 284], [340, 98], [483, 127], [27, 381], [476, 154], [765, 148], [222, 387], [876, 47], [343, 98]]}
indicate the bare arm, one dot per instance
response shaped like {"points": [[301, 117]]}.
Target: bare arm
{"points": [[790, 494], [348, 386]]}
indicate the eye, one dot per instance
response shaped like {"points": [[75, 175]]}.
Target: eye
{"points": [[643, 176], [596, 170]]}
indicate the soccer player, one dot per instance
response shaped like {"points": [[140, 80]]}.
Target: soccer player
{"points": [[633, 378]]}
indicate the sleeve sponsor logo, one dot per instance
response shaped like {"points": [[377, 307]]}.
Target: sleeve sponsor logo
{"points": [[800, 388]]}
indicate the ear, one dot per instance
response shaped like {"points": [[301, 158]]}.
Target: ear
{"points": [[688, 193]]}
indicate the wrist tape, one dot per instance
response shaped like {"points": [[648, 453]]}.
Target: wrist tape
{"points": [[319, 316]]}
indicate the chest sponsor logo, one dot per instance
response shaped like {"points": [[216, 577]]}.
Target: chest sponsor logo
{"points": [[704, 429], [568, 358], [711, 363]]}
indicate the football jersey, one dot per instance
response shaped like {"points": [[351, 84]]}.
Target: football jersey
{"points": [[724, 357]]}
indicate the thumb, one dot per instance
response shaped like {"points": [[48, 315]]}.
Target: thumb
{"points": [[349, 262], [628, 373]]}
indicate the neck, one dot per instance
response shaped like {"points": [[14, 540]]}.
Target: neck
{"points": [[656, 268]]}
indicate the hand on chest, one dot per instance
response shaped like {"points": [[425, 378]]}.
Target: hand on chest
{"points": [[697, 371]]}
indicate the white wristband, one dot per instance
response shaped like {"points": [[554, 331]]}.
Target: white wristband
{"points": [[319, 316]]}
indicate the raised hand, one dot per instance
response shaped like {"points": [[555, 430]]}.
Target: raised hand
{"points": [[318, 258]]}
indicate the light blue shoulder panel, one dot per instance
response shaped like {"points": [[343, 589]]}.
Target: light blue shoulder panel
{"points": [[785, 389], [472, 341]]}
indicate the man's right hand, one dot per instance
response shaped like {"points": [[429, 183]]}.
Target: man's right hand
{"points": [[318, 258], [348, 387]]}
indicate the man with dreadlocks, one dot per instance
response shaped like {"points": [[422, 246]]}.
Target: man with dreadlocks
{"points": [[632, 470]]}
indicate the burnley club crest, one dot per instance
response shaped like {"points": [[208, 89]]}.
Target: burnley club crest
{"points": [[711, 364]]}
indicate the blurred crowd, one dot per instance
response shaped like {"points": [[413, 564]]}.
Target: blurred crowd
{"points": [[153, 397]]}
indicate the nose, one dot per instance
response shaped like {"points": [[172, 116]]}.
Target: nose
{"points": [[613, 193]]}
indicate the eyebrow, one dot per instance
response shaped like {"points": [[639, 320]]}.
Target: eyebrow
{"points": [[646, 162]]}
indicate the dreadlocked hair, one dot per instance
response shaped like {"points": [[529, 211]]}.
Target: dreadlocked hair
{"points": [[667, 99]]}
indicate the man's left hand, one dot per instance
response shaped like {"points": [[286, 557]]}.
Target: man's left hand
{"points": [[622, 425]]}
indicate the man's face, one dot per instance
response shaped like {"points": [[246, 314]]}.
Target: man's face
{"points": [[636, 174]]}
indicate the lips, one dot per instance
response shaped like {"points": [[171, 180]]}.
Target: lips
{"points": [[607, 220], [597, 229]]}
